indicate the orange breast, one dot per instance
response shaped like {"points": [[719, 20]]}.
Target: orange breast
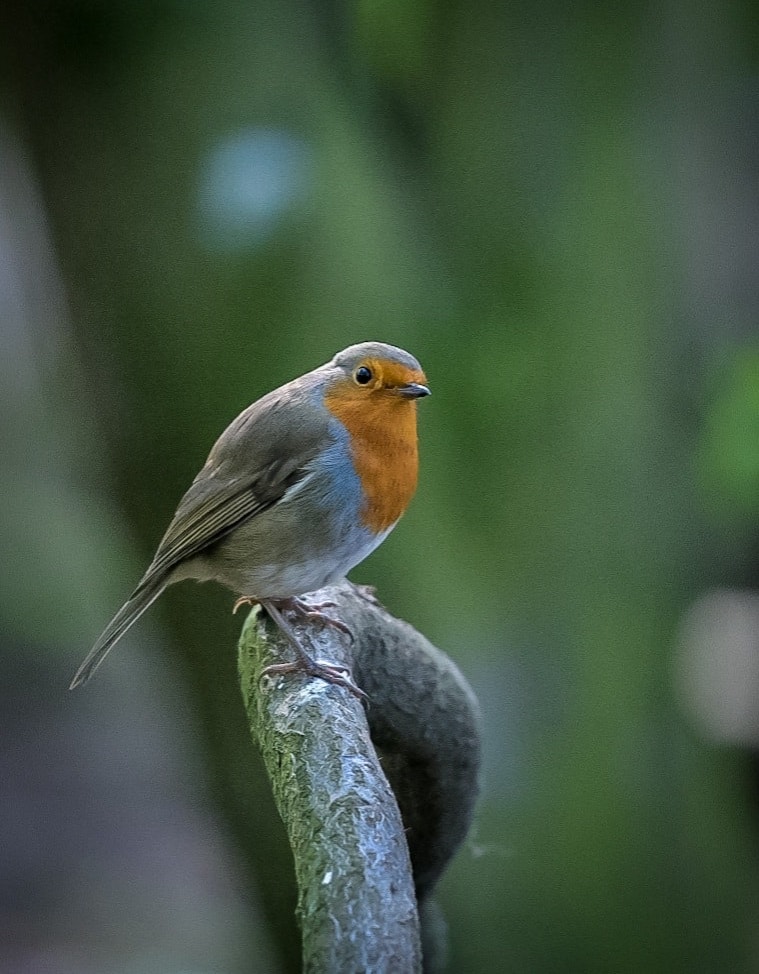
{"points": [[382, 427]]}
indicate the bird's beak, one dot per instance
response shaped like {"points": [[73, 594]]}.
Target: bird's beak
{"points": [[412, 390]]}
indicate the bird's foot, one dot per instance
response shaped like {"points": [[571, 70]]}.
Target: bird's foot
{"points": [[305, 663], [338, 675], [314, 612]]}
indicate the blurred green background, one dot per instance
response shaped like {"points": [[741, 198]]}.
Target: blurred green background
{"points": [[556, 209]]}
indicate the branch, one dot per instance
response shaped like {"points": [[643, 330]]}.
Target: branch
{"points": [[361, 864]]}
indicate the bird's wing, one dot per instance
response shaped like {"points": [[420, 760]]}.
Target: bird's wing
{"points": [[207, 512], [255, 461]]}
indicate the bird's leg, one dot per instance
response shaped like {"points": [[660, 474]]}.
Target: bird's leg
{"points": [[305, 663], [310, 611]]}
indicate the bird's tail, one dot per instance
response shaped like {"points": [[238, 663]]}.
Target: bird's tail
{"points": [[142, 598]]}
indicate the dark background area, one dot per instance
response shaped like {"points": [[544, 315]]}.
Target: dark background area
{"points": [[556, 209]]}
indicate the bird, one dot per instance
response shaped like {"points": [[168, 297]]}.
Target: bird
{"points": [[302, 486]]}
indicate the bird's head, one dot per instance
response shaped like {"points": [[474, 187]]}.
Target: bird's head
{"points": [[374, 372]]}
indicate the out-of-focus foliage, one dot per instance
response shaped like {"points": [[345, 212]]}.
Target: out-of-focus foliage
{"points": [[730, 456], [554, 208]]}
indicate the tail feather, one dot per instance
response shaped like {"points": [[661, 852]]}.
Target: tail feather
{"points": [[140, 600]]}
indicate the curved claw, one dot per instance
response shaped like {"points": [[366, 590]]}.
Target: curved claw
{"points": [[314, 612], [315, 615], [244, 600]]}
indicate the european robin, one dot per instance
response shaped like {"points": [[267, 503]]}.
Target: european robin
{"points": [[299, 489]]}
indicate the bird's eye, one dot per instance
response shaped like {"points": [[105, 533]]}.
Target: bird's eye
{"points": [[362, 375]]}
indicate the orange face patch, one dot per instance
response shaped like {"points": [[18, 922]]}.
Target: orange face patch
{"points": [[382, 428], [390, 375]]}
